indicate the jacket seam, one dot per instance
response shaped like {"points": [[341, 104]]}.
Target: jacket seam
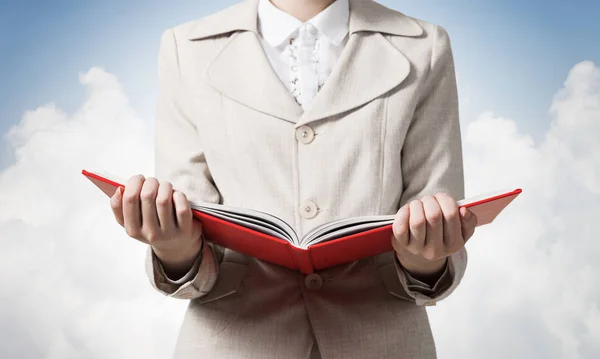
{"points": [[296, 184], [434, 39], [382, 151], [217, 50], [177, 62], [430, 67], [383, 129], [425, 85]]}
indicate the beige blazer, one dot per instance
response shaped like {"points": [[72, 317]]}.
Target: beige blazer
{"points": [[382, 131]]}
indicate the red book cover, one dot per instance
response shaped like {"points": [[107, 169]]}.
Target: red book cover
{"points": [[344, 249]]}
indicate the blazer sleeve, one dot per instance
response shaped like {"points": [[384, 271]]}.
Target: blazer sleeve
{"points": [[432, 158], [179, 159]]}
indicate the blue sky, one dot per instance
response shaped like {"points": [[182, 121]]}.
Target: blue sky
{"points": [[511, 56]]}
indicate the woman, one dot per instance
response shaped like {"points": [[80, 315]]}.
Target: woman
{"points": [[311, 110]]}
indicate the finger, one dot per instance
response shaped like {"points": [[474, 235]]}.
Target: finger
{"points": [[150, 223], [434, 239], [453, 236], [116, 204], [132, 214], [164, 207], [468, 223], [183, 213], [400, 229], [417, 224]]}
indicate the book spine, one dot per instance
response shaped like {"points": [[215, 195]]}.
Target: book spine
{"points": [[302, 259]]}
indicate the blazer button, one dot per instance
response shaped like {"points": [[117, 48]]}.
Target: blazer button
{"points": [[308, 209], [305, 134], [313, 281]]}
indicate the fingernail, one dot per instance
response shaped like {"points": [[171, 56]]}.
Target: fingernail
{"points": [[118, 192], [468, 214], [464, 212]]}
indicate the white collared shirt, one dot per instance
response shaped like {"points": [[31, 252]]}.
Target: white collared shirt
{"points": [[303, 54]]}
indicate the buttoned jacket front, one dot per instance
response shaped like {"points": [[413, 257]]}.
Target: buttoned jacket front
{"points": [[383, 130]]}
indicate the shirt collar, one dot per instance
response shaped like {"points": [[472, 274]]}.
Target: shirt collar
{"points": [[276, 26], [333, 21]]}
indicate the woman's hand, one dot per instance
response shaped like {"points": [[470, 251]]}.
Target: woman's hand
{"points": [[161, 217], [429, 230]]}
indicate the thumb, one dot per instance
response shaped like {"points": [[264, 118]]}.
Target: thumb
{"points": [[196, 229], [400, 228], [468, 223], [116, 204]]}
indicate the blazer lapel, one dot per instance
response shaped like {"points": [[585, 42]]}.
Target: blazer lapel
{"points": [[242, 72], [369, 65]]}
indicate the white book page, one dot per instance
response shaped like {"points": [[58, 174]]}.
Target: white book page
{"points": [[244, 213], [252, 223], [337, 232], [314, 235]]}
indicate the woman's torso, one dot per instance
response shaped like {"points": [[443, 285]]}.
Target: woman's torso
{"points": [[342, 157]]}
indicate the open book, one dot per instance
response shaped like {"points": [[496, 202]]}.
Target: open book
{"points": [[269, 238]]}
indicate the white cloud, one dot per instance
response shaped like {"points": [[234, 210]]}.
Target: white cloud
{"points": [[76, 285], [77, 288], [531, 290]]}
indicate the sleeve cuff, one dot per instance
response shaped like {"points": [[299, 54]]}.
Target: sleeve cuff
{"points": [[421, 293], [194, 284], [416, 285], [187, 277]]}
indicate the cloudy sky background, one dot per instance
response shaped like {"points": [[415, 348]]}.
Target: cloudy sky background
{"points": [[77, 87]]}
